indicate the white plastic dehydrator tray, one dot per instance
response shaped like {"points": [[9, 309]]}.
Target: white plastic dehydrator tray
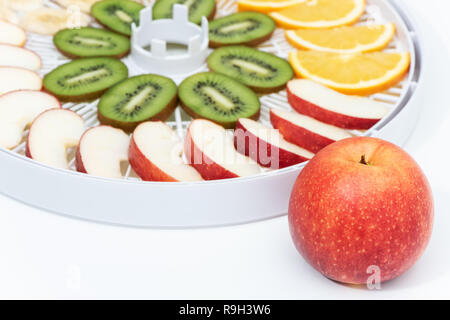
{"points": [[132, 202]]}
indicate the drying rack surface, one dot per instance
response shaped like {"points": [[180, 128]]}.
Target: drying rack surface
{"points": [[258, 197]]}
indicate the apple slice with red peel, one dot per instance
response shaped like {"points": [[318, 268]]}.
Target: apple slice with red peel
{"points": [[101, 152], [266, 146], [51, 134], [324, 104], [304, 131], [17, 110], [14, 79], [156, 154], [12, 34], [209, 148], [13, 56]]}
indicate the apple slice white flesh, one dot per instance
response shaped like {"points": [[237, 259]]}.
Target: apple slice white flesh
{"points": [[304, 131], [51, 134], [324, 104], [101, 152], [209, 148], [13, 56], [17, 110], [266, 146], [14, 79], [156, 154], [12, 34]]}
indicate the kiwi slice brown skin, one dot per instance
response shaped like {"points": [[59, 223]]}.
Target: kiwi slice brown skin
{"points": [[73, 57], [82, 98], [119, 73], [252, 43], [226, 125], [259, 89], [130, 126]]}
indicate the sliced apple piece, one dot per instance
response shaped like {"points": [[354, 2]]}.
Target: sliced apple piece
{"points": [[51, 134], [101, 152], [14, 79], [210, 150], [13, 56], [17, 110], [12, 34], [266, 146], [326, 105], [156, 154], [304, 131]]}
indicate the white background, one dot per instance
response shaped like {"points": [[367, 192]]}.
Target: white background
{"points": [[43, 255]]}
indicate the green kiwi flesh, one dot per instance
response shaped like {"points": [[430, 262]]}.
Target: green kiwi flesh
{"points": [[218, 98], [261, 71], [91, 42], [248, 28], [84, 79], [138, 99], [117, 15], [197, 9]]}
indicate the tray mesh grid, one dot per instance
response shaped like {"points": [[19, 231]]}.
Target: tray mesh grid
{"points": [[51, 58]]}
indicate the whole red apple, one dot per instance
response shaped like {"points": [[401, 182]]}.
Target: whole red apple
{"points": [[360, 203]]}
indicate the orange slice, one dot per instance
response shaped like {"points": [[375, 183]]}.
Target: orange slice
{"points": [[265, 5], [354, 73], [344, 39], [320, 14]]}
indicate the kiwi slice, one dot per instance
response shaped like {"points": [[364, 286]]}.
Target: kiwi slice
{"points": [[261, 71], [249, 28], [85, 79], [117, 15], [91, 42], [218, 98], [138, 99], [197, 9]]}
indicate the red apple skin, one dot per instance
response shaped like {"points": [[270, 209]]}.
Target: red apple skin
{"points": [[300, 136], [144, 168], [285, 158], [208, 169], [337, 119], [345, 216]]}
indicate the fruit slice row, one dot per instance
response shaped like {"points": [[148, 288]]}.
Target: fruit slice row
{"points": [[162, 9], [117, 15], [244, 28], [319, 14], [266, 146], [357, 73], [216, 97], [136, 100], [12, 34], [349, 112], [265, 5], [348, 39], [13, 56], [156, 154], [91, 42], [85, 79], [17, 110], [260, 71], [51, 134], [48, 21]]}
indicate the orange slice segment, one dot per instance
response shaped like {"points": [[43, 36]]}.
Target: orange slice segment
{"points": [[344, 39], [355, 73], [318, 14], [265, 5]]}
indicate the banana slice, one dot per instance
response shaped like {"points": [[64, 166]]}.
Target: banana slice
{"points": [[83, 5], [24, 5], [49, 21], [7, 14]]}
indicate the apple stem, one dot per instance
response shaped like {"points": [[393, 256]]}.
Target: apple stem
{"points": [[363, 160]]}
